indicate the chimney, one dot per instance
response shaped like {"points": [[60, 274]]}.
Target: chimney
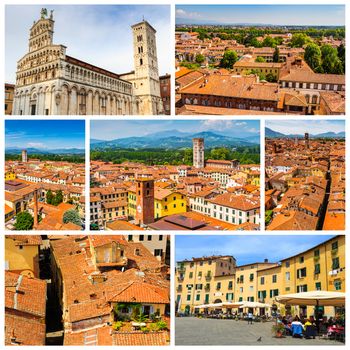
{"points": [[35, 209], [266, 260]]}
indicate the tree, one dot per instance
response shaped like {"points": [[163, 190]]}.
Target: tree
{"points": [[24, 221], [58, 198], [330, 60], [229, 58], [341, 55], [260, 59], [220, 153], [49, 197], [268, 42], [72, 216], [254, 42], [299, 40], [313, 56], [200, 59], [271, 78], [276, 55], [188, 156]]}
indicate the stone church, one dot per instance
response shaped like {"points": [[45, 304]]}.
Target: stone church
{"points": [[49, 82]]}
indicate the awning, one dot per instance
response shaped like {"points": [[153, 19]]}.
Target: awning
{"points": [[313, 298]]}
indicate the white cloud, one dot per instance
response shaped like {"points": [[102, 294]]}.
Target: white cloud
{"points": [[36, 144], [218, 125], [181, 13], [100, 34]]}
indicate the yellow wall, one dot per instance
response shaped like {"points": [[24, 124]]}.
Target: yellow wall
{"points": [[21, 259], [10, 175], [170, 206], [269, 281], [164, 207], [208, 273]]}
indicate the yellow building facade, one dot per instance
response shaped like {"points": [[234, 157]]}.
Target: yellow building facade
{"points": [[247, 280], [321, 267], [10, 175], [166, 202], [22, 254], [204, 280]]}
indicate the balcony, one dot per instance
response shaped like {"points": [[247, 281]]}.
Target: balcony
{"points": [[180, 278], [207, 288], [181, 269], [179, 289], [208, 277]]}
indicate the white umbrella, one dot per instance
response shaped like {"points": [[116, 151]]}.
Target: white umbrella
{"points": [[315, 298]]}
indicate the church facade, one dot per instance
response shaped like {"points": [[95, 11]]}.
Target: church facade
{"points": [[49, 82]]}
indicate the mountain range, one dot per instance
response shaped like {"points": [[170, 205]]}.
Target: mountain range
{"points": [[174, 139], [31, 150], [329, 134]]}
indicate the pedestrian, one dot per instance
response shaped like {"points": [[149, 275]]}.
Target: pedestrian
{"points": [[250, 318]]}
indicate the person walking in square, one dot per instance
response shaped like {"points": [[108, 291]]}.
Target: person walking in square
{"points": [[250, 318]]}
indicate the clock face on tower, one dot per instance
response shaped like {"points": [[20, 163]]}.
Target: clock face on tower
{"points": [[139, 209]]}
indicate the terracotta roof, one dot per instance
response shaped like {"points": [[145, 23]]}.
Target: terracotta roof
{"points": [[26, 331], [293, 220], [335, 101], [295, 100], [234, 86], [334, 221], [27, 240], [122, 225], [305, 76], [198, 109], [239, 202], [142, 293], [25, 294]]}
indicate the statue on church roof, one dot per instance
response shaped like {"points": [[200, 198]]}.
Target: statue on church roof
{"points": [[43, 13]]}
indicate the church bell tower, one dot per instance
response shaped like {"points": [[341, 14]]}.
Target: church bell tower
{"points": [[146, 80]]}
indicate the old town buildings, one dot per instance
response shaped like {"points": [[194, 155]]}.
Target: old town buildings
{"points": [[305, 184], [49, 82], [211, 194], [256, 84], [93, 275], [88, 290], [31, 185], [220, 279]]}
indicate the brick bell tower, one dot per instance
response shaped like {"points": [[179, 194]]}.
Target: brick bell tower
{"points": [[144, 201]]}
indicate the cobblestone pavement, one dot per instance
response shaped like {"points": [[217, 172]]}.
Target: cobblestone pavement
{"points": [[195, 331]]}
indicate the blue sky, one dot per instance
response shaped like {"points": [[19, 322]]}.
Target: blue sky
{"points": [[45, 134], [109, 130], [302, 126], [262, 14], [246, 249], [99, 34]]}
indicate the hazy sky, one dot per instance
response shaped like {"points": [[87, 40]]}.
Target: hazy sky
{"points": [[262, 14], [97, 34], [113, 129], [246, 249], [302, 126], [45, 134]]}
